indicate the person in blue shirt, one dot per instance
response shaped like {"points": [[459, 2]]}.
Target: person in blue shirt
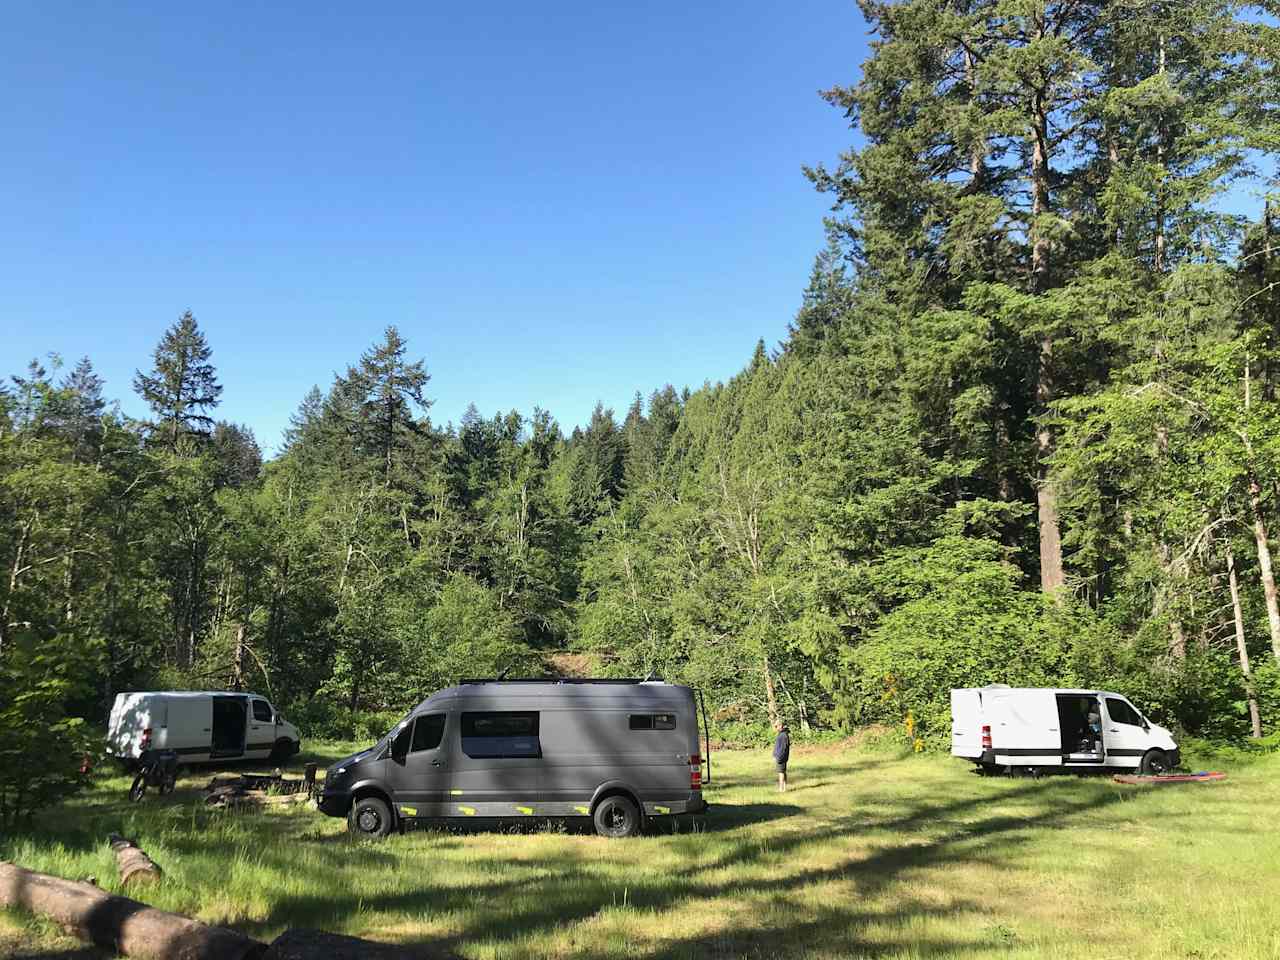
{"points": [[781, 754]]}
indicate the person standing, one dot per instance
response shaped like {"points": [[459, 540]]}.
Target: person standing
{"points": [[781, 754]]}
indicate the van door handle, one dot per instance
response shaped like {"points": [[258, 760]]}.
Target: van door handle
{"points": [[1113, 729], [205, 730]]}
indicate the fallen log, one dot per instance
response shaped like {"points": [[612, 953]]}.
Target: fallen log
{"points": [[119, 923], [132, 861]]}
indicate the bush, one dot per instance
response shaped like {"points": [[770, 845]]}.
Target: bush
{"points": [[42, 750]]}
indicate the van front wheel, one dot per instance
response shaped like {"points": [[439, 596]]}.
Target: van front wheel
{"points": [[371, 818], [1154, 763], [617, 817]]}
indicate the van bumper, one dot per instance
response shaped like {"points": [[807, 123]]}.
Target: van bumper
{"points": [[694, 805], [336, 804]]}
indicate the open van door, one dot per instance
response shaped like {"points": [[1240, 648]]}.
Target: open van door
{"points": [[966, 723], [229, 726]]}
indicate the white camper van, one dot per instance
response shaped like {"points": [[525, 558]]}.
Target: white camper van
{"points": [[200, 726], [999, 726]]}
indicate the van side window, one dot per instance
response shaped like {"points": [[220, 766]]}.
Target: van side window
{"points": [[262, 711], [652, 721], [1121, 712], [428, 731], [500, 734]]}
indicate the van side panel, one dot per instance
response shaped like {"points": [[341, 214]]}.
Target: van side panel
{"points": [[1024, 726], [966, 723], [489, 786], [189, 722]]}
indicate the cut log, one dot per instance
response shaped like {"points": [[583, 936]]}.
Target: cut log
{"points": [[119, 923], [132, 862]]}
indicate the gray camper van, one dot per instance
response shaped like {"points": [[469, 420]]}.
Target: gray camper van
{"points": [[618, 751]]}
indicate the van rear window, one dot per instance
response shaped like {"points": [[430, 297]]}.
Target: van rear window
{"points": [[652, 721], [500, 734]]}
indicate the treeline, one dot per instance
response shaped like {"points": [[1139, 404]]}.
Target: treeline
{"points": [[1024, 428]]}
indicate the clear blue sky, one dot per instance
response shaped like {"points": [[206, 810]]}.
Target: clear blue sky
{"points": [[556, 203]]}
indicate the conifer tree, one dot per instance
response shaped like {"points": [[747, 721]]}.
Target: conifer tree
{"points": [[182, 385]]}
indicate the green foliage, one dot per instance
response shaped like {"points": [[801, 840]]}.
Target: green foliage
{"points": [[43, 750], [1035, 349]]}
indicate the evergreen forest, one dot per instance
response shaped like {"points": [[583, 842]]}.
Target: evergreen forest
{"points": [[1024, 428]]}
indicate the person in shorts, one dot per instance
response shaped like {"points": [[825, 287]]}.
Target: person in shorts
{"points": [[781, 754]]}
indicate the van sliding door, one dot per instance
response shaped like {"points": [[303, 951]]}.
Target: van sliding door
{"points": [[497, 763]]}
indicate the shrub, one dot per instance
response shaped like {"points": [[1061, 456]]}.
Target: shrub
{"points": [[42, 749]]}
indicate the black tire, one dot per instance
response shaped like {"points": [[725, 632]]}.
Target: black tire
{"points": [[139, 788], [282, 750], [1155, 763], [370, 818], [617, 816]]}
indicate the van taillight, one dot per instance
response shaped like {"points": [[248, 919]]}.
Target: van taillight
{"points": [[146, 738], [695, 771], [986, 737]]}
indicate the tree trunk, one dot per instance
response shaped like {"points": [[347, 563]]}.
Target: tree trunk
{"points": [[1161, 150], [1052, 575], [237, 659], [120, 924], [771, 694], [132, 862], [1265, 571], [1242, 648]]}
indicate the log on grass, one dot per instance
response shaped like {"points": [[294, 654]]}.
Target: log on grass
{"points": [[132, 861], [119, 923]]}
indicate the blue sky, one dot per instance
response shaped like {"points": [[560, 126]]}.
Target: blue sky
{"points": [[557, 204]]}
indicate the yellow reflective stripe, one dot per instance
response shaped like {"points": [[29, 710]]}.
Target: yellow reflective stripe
{"points": [[582, 809], [525, 809], [661, 809], [455, 793], [469, 811], [409, 811]]}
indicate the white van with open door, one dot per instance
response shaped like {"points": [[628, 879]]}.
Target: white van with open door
{"points": [[1007, 727], [200, 726]]}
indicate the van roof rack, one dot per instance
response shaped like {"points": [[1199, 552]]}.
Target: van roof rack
{"points": [[613, 680]]}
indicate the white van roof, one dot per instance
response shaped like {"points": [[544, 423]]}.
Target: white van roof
{"points": [[184, 694], [1055, 690]]}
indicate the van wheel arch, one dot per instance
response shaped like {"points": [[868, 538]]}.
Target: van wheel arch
{"points": [[372, 793], [1155, 762], [619, 790], [282, 750]]}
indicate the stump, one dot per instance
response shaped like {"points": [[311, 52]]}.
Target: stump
{"points": [[132, 862]]}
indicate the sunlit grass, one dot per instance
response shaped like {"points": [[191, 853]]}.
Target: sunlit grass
{"points": [[869, 854]]}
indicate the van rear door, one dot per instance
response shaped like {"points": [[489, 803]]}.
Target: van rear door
{"points": [[966, 723], [1024, 727]]}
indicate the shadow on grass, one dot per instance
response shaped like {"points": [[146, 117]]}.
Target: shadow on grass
{"points": [[775, 901], [531, 896]]}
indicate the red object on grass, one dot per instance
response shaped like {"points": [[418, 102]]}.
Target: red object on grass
{"points": [[1202, 777]]}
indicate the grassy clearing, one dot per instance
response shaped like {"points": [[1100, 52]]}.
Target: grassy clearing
{"points": [[869, 855]]}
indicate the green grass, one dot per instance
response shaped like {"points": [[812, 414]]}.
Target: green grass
{"points": [[870, 854]]}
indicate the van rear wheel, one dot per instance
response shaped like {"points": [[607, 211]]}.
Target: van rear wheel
{"points": [[617, 817], [1155, 763], [371, 818]]}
